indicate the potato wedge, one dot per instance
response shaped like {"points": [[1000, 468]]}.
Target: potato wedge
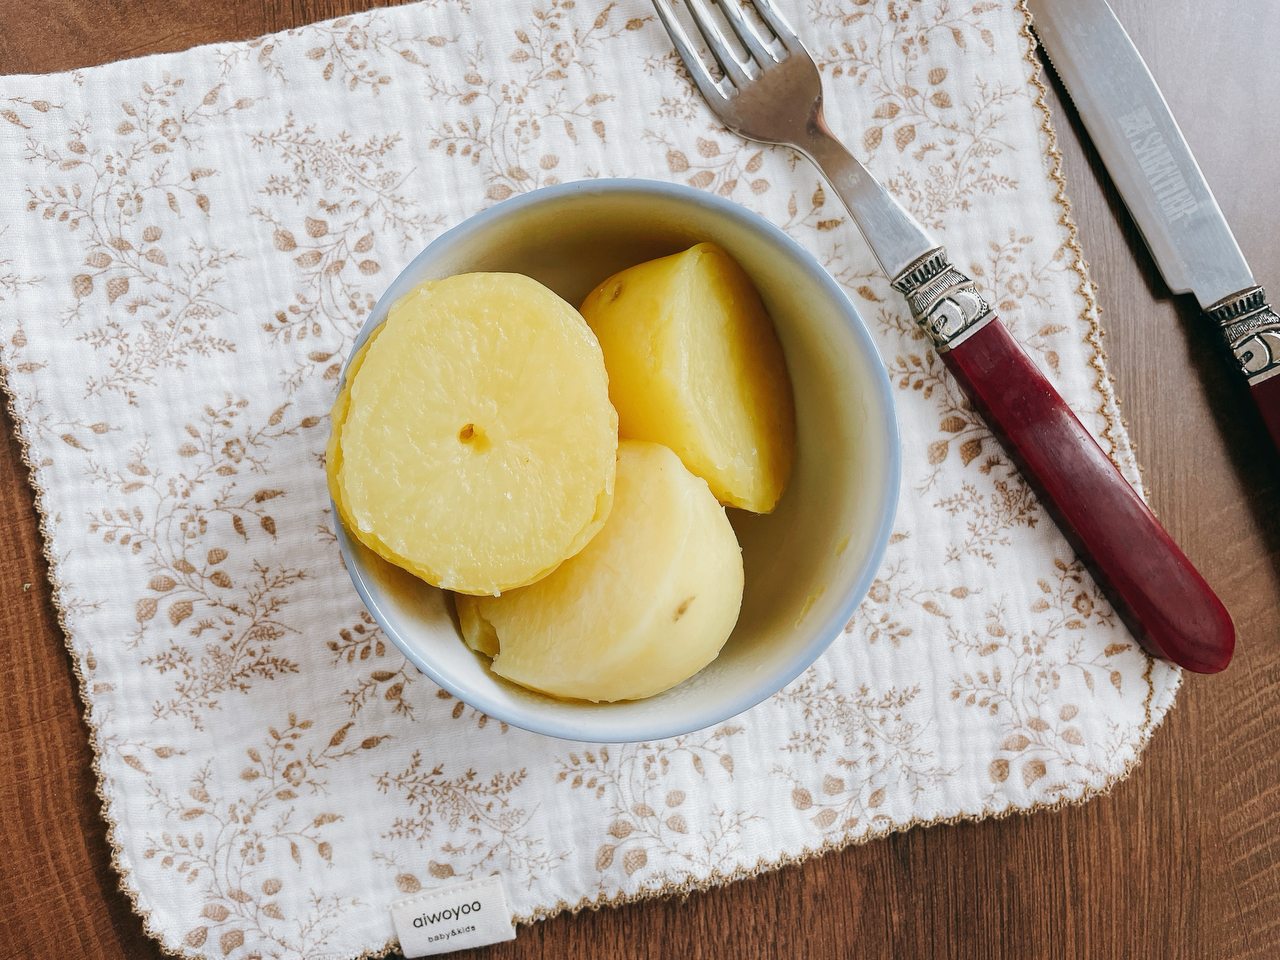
{"points": [[647, 603], [694, 364]]}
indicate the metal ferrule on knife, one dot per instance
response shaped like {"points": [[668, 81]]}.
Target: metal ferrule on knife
{"points": [[1252, 331]]}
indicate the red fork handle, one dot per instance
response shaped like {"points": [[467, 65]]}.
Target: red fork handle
{"points": [[1158, 593]]}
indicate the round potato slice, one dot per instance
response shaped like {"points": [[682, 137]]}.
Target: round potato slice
{"points": [[478, 446], [648, 603], [333, 448]]}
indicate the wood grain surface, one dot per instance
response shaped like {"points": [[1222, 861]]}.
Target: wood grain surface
{"points": [[1180, 861]]}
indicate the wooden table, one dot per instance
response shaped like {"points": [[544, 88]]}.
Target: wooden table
{"points": [[1182, 860]]}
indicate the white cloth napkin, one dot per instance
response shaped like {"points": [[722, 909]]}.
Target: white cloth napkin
{"points": [[189, 242]]}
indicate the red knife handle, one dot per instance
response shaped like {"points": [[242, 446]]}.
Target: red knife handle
{"points": [[1158, 593], [1267, 396], [1251, 330]]}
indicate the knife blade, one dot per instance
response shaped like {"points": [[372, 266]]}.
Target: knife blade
{"points": [[1160, 182]]}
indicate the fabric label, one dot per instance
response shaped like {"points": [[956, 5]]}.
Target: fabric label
{"points": [[456, 917]]}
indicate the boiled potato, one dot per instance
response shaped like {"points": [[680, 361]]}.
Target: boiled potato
{"points": [[476, 630], [648, 603], [474, 443], [694, 364], [333, 448]]}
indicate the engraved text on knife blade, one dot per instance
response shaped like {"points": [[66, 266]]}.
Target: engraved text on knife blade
{"points": [[1158, 164]]}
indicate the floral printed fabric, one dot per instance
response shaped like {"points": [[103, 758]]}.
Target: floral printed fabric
{"points": [[189, 243]]}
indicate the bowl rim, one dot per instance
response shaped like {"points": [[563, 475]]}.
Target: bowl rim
{"points": [[822, 635]]}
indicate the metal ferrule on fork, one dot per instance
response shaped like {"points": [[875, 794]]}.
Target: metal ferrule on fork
{"points": [[943, 300]]}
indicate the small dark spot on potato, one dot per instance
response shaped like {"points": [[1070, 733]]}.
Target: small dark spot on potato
{"points": [[683, 608], [475, 438], [617, 291]]}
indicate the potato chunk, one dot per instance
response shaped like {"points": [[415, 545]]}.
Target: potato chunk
{"points": [[333, 448], [694, 364], [474, 443], [476, 630], [648, 603]]}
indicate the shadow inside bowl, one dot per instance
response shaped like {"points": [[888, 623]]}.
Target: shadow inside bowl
{"points": [[807, 565]]}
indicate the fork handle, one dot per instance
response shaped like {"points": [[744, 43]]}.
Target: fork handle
{"points": [[894, 236], [1157, 592], [1159, 595]]}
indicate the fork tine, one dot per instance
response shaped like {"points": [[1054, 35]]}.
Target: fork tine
{"points": [[706, 83], [718, 44], [778, 24], [746, 32]]}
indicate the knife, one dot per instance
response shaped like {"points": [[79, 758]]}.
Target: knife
{"points": [[1167, 196]]}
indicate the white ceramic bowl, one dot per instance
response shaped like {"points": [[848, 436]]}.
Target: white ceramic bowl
{"points": [[808, 564]]}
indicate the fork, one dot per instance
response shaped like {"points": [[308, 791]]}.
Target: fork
{"points": [[773, 94]]}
